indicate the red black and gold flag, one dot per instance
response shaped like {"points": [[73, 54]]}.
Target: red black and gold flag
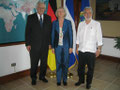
{"points": [[52, 7]]}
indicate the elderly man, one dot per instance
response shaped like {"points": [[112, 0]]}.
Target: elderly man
{"points": [[37, 37], [89, 43]]}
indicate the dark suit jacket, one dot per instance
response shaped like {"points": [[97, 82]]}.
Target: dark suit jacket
{"points": [[67, 34], [37, 36]]}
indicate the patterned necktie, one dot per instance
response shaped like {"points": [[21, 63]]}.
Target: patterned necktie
{"points": [[41, 21]]}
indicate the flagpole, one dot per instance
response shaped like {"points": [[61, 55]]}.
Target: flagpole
{"points": [[51, 62], [70, 16], [62, 3]]}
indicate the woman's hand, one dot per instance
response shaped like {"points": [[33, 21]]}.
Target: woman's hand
{"points": [[53, 50], [70, 50]]}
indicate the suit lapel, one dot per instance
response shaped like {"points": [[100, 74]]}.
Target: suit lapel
{"points": [[44, 19], [57, 26], [37, 20], [36, 17], [64, 26]]}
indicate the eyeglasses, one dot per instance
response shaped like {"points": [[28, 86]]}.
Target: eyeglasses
{"points": [[40, 8]]}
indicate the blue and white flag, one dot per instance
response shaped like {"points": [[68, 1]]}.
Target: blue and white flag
{"points": [[68, 5], [85, 3]]}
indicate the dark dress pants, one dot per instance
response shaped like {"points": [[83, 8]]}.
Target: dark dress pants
{"points": [[37, 55], [86, 58]]}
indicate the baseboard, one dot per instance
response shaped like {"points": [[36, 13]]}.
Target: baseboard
{"points": [[14, 76], [24, 73], [109, 58]]}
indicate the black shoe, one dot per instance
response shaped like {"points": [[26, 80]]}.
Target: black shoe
{"points": [[58, 83], [44, 80], [88, 86], [78, 83], [64, 83], [33, 82]]}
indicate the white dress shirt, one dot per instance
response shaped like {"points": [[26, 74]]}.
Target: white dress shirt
{"points": [[89, 36], [39, 17]]}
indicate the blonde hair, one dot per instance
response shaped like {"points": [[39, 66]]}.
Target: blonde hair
{"points": [[56, 13]]}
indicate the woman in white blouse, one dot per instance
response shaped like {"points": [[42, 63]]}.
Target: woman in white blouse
{"points": [[62, 44]]}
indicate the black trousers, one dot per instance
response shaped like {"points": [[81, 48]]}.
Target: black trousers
{"points": [[88, 59], [37, 55]]}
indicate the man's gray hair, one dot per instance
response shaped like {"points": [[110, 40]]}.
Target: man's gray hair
{"points": [[89, 9], [40, 2]]}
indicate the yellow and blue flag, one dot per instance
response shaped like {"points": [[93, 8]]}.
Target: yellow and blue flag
{"points": [[52, 6], [51, 62]]}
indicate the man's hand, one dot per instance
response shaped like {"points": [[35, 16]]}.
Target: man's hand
{"points": [[77, 46], [50, 47], [77, 51], [70, 50], [28, 48], [98, 52]]}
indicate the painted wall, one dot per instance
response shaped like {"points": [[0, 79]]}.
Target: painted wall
{"points": [[19, 55], [58, 3], [110, 28], [108, 48], [13, 54]]}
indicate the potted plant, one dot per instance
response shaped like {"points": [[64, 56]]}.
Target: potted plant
{"points": [[117, 41]]}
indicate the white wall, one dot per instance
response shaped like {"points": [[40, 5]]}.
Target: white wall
{"points": [[13, 54], [108, 48], [19, 55]]}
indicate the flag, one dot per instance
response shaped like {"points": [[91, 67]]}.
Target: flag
{"points": [[72, 61], [84, 4], [68, 5], [52, 7], [51, 60]]}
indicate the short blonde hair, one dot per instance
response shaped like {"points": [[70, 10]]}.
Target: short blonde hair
{"points": [[56, 13]]}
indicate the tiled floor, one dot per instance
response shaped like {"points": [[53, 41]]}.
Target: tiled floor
{"points": [[106, 77]]}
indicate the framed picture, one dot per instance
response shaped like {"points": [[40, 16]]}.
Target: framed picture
{"points": [[108, 10], [13, 16]]}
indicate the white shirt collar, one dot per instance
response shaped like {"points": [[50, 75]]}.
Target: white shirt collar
{"points": [[89, 22], [39, 16]]}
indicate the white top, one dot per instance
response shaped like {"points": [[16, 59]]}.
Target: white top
{"points": [[60, 43], [89, 36], [39, 16]]}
